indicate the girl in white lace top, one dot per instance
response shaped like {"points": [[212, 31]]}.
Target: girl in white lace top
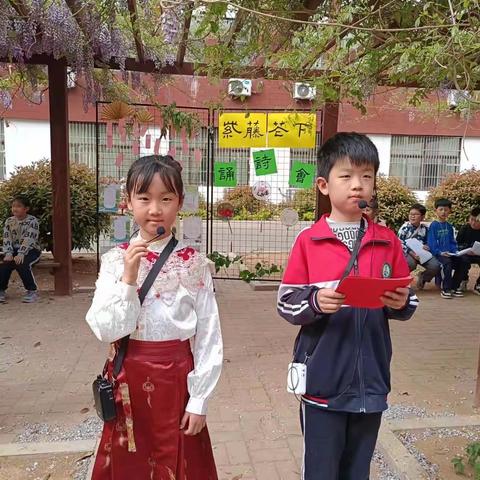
{"points": [[175, 351]]}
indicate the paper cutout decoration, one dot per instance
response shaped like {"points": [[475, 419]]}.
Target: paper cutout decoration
{"points": [[109, 135], [365, 292], [148, 141], [261, 190], [121, 229], [242, 130], [197, 156], [192, 231], [136, 147], [225, 210], [156, 148], [190, 201], [122, 130], [109, 198], [172, 152], [225, 174], [289, 217], [292, 130], [119, 159], [302, 175], [264, 162]]}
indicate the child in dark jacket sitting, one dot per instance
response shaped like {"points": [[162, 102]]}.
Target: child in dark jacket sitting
{"points": [[347, 350]]}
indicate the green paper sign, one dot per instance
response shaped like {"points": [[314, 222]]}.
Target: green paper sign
{"points": [[302, 175], [264, 161], [225, 174]]}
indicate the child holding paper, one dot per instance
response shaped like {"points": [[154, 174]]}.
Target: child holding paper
{"points": [[442, 244], [466, 238], [416, 230], [346, 350]]}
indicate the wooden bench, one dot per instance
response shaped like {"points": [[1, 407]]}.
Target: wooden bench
{"points": [[43, 263]]}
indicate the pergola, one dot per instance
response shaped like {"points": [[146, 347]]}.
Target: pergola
{"points": [[379, 41]]}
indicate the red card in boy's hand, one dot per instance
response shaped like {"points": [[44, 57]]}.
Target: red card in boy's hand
{"points": [[365, 292]]}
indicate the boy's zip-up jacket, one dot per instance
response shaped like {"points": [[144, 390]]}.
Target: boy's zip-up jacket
{"points": [[349, 367]]}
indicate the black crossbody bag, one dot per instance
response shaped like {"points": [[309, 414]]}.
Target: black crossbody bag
{"points": [[103, 392]]}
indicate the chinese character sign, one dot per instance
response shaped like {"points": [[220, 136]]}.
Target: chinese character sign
{"points": [[225, 174], [302, 175], [292, 130], [242, 130], [264, 161]]}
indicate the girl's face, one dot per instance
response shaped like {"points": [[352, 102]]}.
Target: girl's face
{"points": [[157, 207]]}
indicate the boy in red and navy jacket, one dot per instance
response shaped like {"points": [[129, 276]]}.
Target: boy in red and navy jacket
{"points": [[347, 350]]}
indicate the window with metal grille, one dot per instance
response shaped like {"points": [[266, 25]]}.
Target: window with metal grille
{"points": [[3, 162], [421, 162]]}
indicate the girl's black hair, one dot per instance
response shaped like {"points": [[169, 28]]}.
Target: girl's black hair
{"points": [[21, 199], [358, 148], [142, 171]]}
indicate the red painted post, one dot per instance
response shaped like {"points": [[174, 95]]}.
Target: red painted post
{"points": [[60, 165]]}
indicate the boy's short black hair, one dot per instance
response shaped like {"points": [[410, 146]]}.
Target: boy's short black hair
{"points": [[358, 148], [475, 212], [420, 208], [21, 199], [443, 202]]}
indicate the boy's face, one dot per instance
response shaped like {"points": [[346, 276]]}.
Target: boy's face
{"points": [[19, 210], [474, 222], [346, 185], [415, 217], [443, 213]]}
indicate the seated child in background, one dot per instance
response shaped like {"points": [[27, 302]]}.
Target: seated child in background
{"points": [[441, 241], [415, 229], [21, 249], [467, 236]]}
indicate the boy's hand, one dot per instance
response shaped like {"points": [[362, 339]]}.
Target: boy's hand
{"points": [[329, 300], [8, 257], [133, 255], [444, 254], [426, 247], [396, 299], [415, 256], [194, 423], [18, 259]]}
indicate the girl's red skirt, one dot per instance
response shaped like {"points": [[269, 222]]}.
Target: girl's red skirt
{"points": [[148, 420]]}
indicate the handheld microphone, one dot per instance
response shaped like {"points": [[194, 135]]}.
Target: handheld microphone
{"points": [[362, 204], [160, 232]]}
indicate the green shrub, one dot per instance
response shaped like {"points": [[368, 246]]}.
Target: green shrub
{"points": [[34, 182], [463, 190], [394, 201], [303, 202], [246, 206]]}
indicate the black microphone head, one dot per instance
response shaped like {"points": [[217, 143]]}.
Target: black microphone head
{"points": [[362, 204], [160, 230]]}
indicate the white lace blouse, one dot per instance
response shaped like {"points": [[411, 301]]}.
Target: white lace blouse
{"points": [[180, 305]]}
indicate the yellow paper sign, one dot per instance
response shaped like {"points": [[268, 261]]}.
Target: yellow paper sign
{"points": [[292, 130], [242, 130]]}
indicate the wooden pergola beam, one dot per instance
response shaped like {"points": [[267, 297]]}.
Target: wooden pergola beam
{"points": [[132, 8], [182, 47]]}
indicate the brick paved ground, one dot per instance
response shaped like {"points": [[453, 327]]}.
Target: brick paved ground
{"points": [[48, 358]]}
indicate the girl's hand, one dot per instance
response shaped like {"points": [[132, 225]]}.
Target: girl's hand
{"points": [[133, 255], [194, 423], [329, 300], [396, 299]]}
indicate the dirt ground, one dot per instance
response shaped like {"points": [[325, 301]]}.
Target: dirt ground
{"points": [[45, 467]]}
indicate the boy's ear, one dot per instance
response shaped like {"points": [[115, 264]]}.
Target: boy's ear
{"points": [[322, 185]]}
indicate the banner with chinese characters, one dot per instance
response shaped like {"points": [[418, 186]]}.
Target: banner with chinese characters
{"points": [[302, 175], [292, 130], [264, 162], [225, 174], [242, 130]]}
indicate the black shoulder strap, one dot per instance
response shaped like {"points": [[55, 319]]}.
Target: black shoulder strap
{"points": [[146, 285], [351, 262]]}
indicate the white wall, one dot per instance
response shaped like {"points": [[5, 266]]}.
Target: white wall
{"points": [[470, 155], [26, 141], [383, 144]]}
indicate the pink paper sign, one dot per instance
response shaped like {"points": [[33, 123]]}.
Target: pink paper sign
{"points": [[148, 141], [119, 160], [197, 156], [156, 148]]}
